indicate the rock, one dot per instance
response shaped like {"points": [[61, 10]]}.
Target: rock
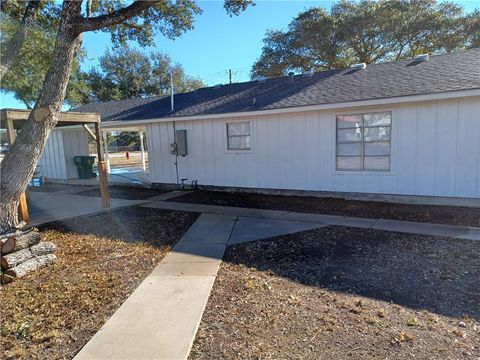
{"points": [[462, 324]]}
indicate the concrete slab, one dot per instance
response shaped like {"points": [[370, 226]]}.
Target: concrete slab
{"points": [[47, 207], [186, 269], [329, 219], [250, 229], [158, 321], [428, 229], [209, 229], [195, 253], [461, 232], [216, 209], [472, 234]]}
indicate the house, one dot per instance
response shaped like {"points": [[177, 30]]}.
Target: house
{"points": [[409, 127]]}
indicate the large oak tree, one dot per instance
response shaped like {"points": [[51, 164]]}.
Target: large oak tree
{"points": [[366, 31], [129, 73], [137, 20]]}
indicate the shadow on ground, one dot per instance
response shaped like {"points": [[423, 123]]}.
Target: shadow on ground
{"points": [[132, 224], [421, 272]]}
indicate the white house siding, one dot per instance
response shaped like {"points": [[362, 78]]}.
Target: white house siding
{"points": [[75, 143], [435, 150], [56, 161]]}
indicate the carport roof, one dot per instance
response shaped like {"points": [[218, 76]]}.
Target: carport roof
{"points": [[19, 116], [441, 73]]}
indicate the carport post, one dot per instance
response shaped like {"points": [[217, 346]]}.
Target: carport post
{"points": [[107, 157], [143, 151], [102, 171]]}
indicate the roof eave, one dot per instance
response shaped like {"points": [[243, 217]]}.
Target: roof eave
{"points": [[329, 106]]}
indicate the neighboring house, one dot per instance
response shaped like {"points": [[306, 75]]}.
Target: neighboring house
{"points": [[409, 127]]}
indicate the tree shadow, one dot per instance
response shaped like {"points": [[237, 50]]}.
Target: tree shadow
{"points": [[438, 274], [133, 225]]}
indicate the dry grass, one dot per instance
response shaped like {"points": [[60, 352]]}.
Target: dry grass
{"points": [[54, 312], [120, 160]]}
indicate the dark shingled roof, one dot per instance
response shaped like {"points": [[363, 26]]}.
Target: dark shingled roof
{"points": [[441, 73]]}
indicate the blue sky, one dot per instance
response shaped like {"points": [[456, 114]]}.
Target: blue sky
{"points": [[218, 42]]}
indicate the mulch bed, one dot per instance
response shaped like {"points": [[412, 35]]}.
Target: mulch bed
{"points": [[52, 313], [124, 192], [455, 215], [337, 293]]}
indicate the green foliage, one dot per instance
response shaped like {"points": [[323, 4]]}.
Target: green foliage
{"points": [[26, 76], [168, 17], [150, 76], [128, 73], [366, 31]]}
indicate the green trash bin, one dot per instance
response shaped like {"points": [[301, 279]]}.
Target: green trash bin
{"points": [[84, 166]]}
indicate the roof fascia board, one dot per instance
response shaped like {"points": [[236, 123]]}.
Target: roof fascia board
{"points": [[340, 105]]}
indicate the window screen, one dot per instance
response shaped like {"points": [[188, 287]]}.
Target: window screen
{"points": [[238, 136], [363, 141]]}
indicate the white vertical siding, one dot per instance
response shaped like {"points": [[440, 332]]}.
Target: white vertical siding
{"points": [[56, 161], [75, 143], [435, 150], [52, 161]]}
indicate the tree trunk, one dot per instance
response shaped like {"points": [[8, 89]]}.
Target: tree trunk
{"points": [[16, 258], [19, 163]]}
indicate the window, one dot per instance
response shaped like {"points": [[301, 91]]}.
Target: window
{"points": [[238, 136], [363, 141]]}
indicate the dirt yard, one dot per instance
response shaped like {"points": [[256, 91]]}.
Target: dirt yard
{"points": [[454, 215], [338, 293], [101, 259]]}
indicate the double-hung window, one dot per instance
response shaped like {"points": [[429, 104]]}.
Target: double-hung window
{"points": [[363, 141], [238, 136]]}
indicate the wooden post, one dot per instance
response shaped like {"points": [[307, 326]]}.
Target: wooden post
{"points": [[102, 168], [22, 206], [143, 151]]}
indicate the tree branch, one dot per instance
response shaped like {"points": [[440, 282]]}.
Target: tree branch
{"points": [[13, 46], [115, 17]]}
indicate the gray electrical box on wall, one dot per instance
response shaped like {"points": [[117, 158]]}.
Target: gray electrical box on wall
{"points": [[181, 140]]}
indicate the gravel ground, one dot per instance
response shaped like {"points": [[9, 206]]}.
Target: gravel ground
{"points": [[52, 313], [455, 215], [337, 293]]}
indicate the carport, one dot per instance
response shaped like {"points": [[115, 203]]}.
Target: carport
{"points": [[13, 119]]}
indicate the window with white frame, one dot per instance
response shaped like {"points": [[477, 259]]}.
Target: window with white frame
{"points": [[238, 136], [363, 141]]}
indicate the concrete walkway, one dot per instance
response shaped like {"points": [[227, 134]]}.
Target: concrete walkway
{"points": [[160, 319], [459, 232], [46, 207]]}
